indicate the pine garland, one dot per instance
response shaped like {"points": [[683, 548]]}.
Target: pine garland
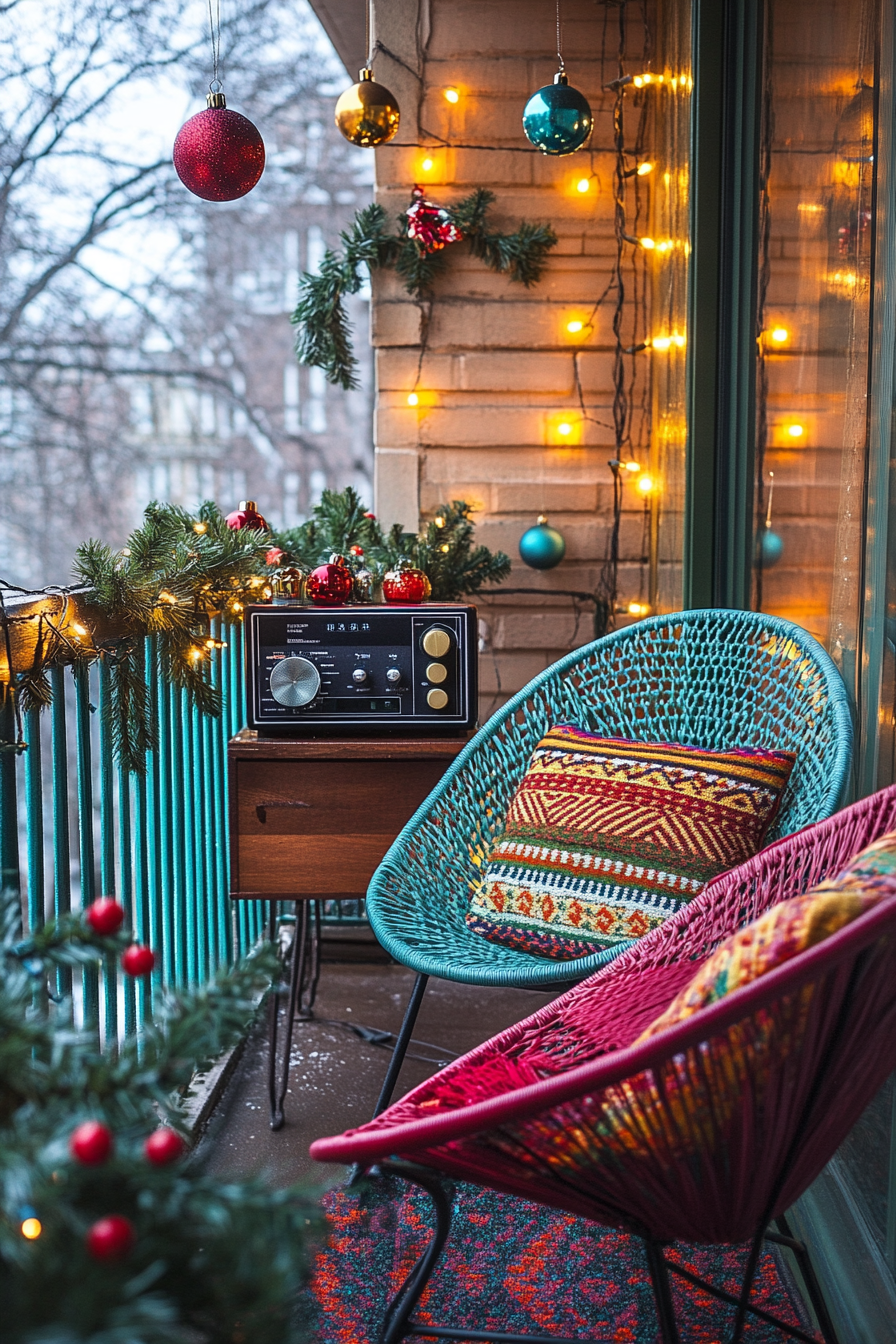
{"points": [[212, 1260], [444, 550], [179, 570], [323, 337]]}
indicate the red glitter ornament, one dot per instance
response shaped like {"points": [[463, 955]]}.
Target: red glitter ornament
{"points": [[105, 916], [164, 1146], [91, 1143], [246, 516], [137, 960], [111, 1238], [218, 154], [356, 550], [430, 225], [330, 585], [404, 583]]}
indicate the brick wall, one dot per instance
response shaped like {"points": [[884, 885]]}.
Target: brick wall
{"points": [[498, 372]]}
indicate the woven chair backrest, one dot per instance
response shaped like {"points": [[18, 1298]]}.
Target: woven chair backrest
{"points": [[699, 1133], [716, 679]]}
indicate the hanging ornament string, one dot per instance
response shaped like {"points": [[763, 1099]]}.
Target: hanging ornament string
{"points": [[214, 27], [559, 41]]}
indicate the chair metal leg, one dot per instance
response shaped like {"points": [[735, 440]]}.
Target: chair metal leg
{"points": [[398, 1313], [743, 1305], [662, 1291], [784, 1237], [401, 1044]]}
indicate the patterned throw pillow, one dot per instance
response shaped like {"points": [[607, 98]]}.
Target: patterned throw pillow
{"points": [[606, 838], [785, 930]]}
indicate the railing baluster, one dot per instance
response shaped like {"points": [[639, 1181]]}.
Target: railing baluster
{"points": [[125, 859], [107, 845], [34, 820], [220, 811], [165, 773], [159, 932], [62, 880], [141, 894], [186, 793], [89, 975], [10, 874], [178, 839]]}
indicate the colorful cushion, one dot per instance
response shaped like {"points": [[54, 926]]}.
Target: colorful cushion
{"points": [[785, 930], [606, 838]]}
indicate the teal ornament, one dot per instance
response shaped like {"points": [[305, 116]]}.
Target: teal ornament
{"points": [[557, 119], [542, 547], [770, 548]]}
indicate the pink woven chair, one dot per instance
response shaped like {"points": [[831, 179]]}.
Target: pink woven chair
{"points": [[706, 1133]]}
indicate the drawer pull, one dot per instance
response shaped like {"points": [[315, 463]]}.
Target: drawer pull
{"points": [[261, 810]]}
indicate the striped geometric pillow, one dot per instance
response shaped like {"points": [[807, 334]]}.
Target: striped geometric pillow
{"points": [[606, 838]]}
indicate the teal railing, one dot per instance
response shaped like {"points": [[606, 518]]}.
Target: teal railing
{"points": [[74, 826]]}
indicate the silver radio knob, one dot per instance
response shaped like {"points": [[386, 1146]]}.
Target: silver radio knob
{"points": [[393, 675], [294, 682], [359, 676]]}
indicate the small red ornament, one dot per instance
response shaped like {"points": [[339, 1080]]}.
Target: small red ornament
{"points": [[330, 585], [356, 550], [404, 583], [137, 960], [218, 154], [111, 1238], [430, 225], [273, 556], [91, 1143], [164, 1146], [105, 916], [246, 516], [371, 516]]}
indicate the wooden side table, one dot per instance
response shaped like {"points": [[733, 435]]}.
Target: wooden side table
{"points": [[310, 820]]}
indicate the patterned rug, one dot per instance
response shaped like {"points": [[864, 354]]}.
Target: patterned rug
{"points": [[519, 1267]]}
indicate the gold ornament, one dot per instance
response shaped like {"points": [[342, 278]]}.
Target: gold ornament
{"points": [[367, 114]]}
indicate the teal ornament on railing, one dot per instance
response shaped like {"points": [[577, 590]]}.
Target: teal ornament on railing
{"points": [[542, 547], [770, 548], [557, 119]]}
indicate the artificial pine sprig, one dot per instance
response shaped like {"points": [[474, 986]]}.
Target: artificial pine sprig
{"points": [[323, 336], [444, 549], [211, 1260]]}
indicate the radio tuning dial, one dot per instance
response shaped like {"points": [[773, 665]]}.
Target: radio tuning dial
{"points": [[436, 642], [393, 676], [436, 698], [294, 682], [436, 672], [359, 676]]}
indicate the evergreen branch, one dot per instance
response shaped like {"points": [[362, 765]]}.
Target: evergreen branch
{"points": [[323, 331]]}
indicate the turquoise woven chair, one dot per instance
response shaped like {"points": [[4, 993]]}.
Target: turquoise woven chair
{"points": [[717, 679]]}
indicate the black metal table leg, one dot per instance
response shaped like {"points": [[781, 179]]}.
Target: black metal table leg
{"points": [[304, 975]]}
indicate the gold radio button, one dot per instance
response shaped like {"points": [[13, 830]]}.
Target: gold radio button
{"points": [[436, 672], [436, 698], [436, 642]]}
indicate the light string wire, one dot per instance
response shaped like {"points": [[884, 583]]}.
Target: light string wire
{"points": [[214, 27]]}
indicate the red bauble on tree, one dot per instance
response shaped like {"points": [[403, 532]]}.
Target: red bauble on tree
{"points": [[105, 916], [246, 516], [111, 1238], [164, 1146], [330, 585], [430, 225], [91, 1143], [404, 583], [137, 960], [273, 556], [218, 154]]}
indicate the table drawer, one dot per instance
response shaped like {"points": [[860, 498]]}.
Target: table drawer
{"points": [[319, 827]]}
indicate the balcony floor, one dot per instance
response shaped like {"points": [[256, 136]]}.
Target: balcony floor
{"points": [[334, 1076]]}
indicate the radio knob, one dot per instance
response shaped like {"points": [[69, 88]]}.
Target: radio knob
{"points": [[393, 675], [436, 642], [436, 672], [436, 698], [294, 682], [359, 676]]}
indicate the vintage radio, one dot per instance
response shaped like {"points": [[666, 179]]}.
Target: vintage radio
{"points": [[364, 669]]}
